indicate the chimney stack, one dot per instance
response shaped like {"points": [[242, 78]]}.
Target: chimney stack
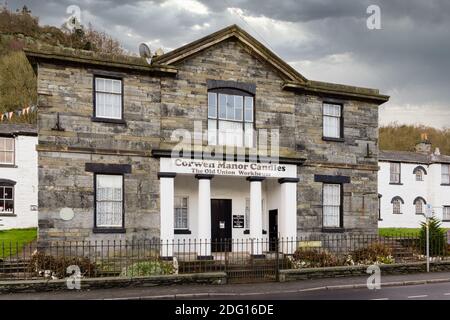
{"points": [[424, 146]]}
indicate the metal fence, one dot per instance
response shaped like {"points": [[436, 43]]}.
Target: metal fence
{"points": [[242, 259]]}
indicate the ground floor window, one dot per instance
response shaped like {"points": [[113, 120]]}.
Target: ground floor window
{"points": [[181, 212], [446, 213], [419, 203], [109, 200], [332, 205], [7, 199]]}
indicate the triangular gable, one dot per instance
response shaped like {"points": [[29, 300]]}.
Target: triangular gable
{"points": [[256, 47]]}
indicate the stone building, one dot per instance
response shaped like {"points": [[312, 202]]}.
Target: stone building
{"points": [[409, 181], [109, 128], [18, 176]]}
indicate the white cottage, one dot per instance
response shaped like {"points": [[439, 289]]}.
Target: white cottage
{"points": [[18, 176], [407, 181]]}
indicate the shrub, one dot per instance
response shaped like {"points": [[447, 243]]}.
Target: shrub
{"points": [[44, 264], [374, 253], [310, 258], [437, 238], [148, 268]]}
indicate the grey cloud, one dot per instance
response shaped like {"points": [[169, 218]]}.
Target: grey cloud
{"points": [[408, 57]]}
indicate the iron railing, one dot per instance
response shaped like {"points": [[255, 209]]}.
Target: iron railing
{"points": [[239, 258]]}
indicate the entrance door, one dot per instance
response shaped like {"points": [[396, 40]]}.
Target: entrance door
{"points": [[273, 229], [220, 225]]}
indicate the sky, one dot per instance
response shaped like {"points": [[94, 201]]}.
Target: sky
{"points": [[408, 58]]}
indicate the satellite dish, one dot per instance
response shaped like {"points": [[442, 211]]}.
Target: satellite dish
{"points": [[144, 51], [159, 52]]}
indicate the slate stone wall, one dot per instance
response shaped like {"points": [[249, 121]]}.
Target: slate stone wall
{"points": [[154, 106]]}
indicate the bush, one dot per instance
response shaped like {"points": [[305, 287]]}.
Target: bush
{"points": [[374, 253], [148, 268], [48, 265], [437, 238], [310, 258]]}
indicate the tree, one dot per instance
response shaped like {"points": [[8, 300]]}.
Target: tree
{"points": [[17, 82], [438, 245]]}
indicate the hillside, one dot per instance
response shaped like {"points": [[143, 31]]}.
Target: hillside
{"points": [[405, 137], [20, 28]]}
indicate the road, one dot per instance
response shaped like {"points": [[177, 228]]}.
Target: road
{"points": [[434, 291], [394, 287]]}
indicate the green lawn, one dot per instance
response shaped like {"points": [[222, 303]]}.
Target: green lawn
{"points": [[397, 232], [11, 239]]}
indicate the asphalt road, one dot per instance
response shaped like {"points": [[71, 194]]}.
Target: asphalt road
{"points": [[434, 291], [394, 287]]}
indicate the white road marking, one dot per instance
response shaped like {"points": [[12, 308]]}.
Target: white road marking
{"points": [[447, 294], [381, 299], [421, 296]]}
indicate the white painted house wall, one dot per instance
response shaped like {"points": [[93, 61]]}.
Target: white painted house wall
{"points": [[25, 174], [430, 189]]}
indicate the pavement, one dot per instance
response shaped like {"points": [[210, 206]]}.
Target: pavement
{"points": [[412, 286]]}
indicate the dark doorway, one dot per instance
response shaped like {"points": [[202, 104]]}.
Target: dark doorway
{"points": [[273, 229], [221, 225]]}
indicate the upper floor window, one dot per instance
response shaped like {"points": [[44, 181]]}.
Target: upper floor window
{"points": [[332, 121], [445, 173], [395, 172], [419, 175], [6, 199], [108, 98], [332, 205], [181, 213], [230, 118], [109, 201], [6, 150]]}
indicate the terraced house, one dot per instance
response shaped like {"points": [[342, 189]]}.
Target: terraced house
{"points": [[109, 126]]}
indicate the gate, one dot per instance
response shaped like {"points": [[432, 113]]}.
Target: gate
{"points": [[243, 267]]}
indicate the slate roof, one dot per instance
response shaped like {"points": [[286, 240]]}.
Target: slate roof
{"points": [[412, 157], [18, 129]]}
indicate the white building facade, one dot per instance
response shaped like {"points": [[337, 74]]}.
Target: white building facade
{"points": [[408, 181], [18, 177]]}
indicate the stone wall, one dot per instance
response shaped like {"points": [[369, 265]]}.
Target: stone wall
{"points": [[63, 181], [155, 106]]}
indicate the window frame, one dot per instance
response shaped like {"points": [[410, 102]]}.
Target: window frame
{"points": [[443, 212], [422, 202], [180, 230], [341, 137], [13, 151], [443, 183], [13, 199], [401, 202], [399, 173], [107, 229], [341, 206], [96, 118], [233, 92]]}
